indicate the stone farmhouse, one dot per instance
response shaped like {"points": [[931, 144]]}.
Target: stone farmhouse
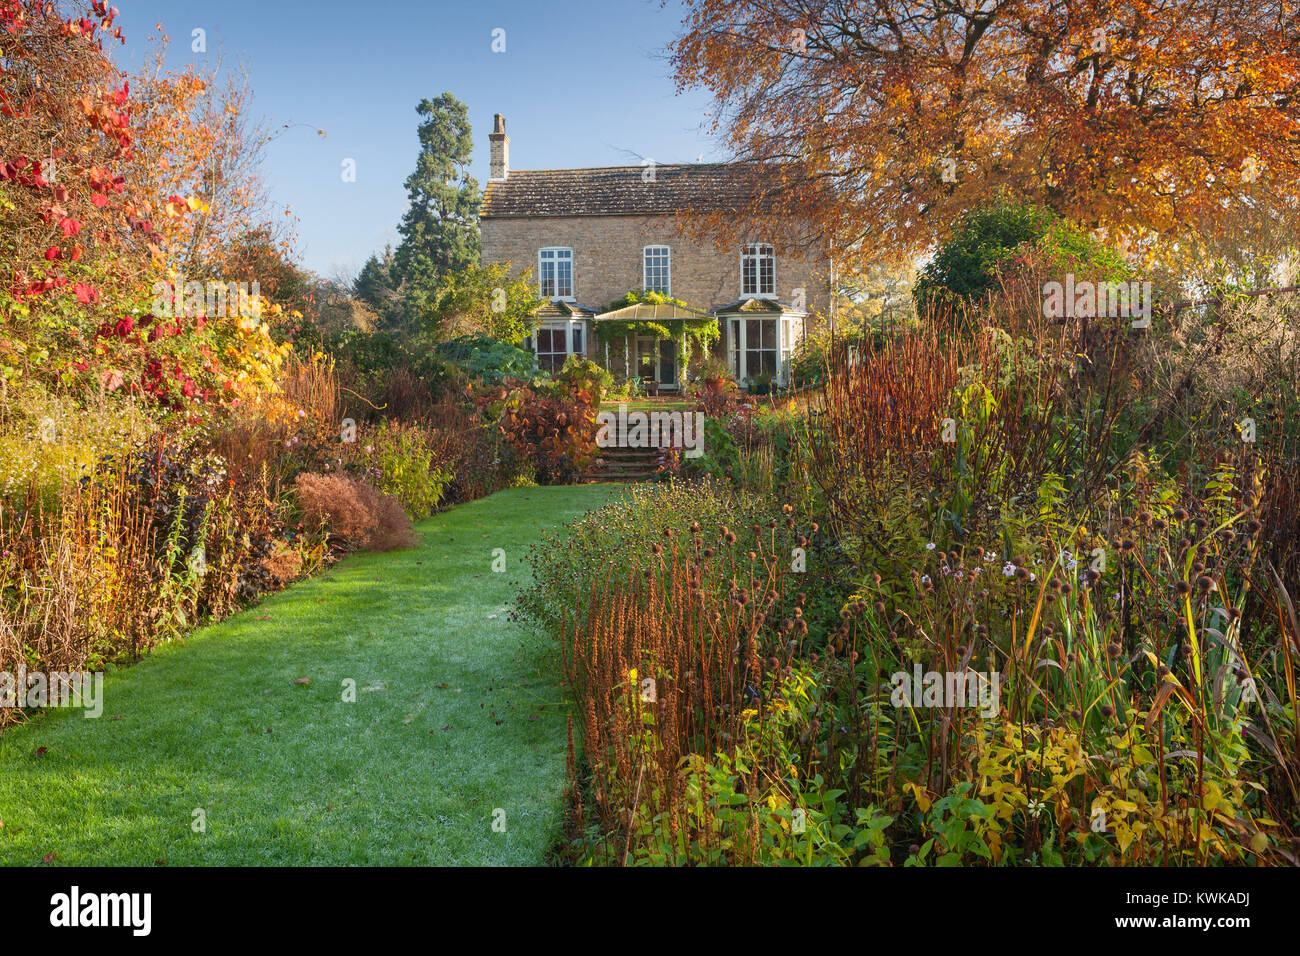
{"points": [[592, 235]]}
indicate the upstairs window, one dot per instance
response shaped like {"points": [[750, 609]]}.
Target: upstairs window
{"points": [[758, 270], [657, 269], [555, 273]]}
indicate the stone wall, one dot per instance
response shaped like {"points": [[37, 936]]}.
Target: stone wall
{"points": [[607, 259]]}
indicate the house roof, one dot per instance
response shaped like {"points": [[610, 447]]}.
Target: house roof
{"points": [[755, 304], [649, 312], [559, 309], [622, 190]]}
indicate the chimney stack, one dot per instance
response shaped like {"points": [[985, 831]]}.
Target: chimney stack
{"points": [[500, 154]]}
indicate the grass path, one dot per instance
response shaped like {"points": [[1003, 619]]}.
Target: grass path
{"points": [[457, 713]]}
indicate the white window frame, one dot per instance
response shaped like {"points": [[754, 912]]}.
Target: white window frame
{"points": [[757, 252], [660, 251], [571, 329], [738, 347], [554, 259]]}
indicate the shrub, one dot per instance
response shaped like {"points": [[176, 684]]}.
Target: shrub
{"points": [[354, 513], [400, 457], [473, 451], [490, 360], [967, 268], [583, 380], [964, 268], [555, 436]]}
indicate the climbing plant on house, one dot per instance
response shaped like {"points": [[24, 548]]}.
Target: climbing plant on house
{"points": [[687, 333]]}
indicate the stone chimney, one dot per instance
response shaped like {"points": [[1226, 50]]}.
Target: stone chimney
{"points": [[500, 168]]}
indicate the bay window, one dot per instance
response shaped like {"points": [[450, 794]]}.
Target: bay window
{"points": [[554, 342]]}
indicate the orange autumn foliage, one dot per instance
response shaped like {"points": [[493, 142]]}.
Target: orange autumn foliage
{"points": [[1175, 120]]}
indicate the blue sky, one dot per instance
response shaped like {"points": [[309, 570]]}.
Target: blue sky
{"points": [[581, 83]]}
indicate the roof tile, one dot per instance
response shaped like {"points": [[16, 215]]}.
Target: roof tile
{"points": [[621, 190]]}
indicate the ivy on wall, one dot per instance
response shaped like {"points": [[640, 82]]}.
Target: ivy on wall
{"points": [[688, 333]]}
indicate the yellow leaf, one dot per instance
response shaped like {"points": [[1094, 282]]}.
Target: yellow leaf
{"points": [[922, 797]]}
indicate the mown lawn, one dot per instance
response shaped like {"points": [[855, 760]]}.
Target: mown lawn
{"points": [[458, 714]]}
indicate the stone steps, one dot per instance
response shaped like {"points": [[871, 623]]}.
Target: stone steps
{"points": [[619, 463]]}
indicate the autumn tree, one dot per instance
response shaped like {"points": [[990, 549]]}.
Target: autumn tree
{"points": [[197, 138], [1170, 127], [88, 222], [485, 300], [68, 239]]}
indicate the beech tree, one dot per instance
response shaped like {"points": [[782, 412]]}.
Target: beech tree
{"points": [[1169, 126]]}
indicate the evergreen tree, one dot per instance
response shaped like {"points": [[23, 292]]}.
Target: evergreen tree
{"points": [[375, 284], [440, 232]]}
